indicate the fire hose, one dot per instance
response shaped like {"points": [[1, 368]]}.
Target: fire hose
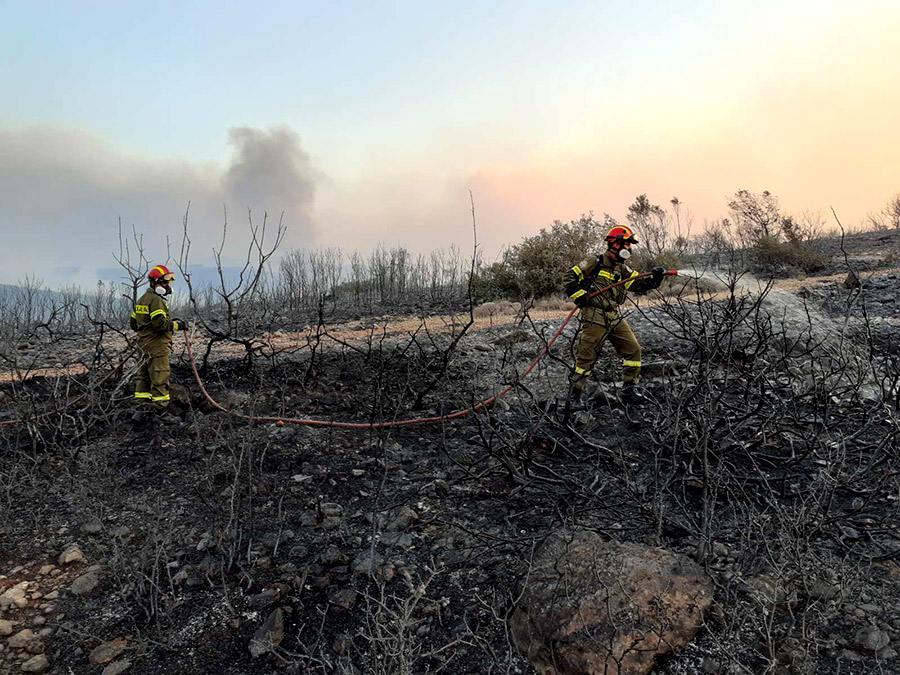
{"points": [[354, 425], [408, 422]]}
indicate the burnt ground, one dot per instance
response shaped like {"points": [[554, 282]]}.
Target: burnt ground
{"points": [[767, 452]]}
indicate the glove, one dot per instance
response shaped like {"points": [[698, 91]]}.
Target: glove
{"points": [[583, 300], [657, 274], [179, 324]]}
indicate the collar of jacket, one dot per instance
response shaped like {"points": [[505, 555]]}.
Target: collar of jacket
{"points": [[609, 259]]}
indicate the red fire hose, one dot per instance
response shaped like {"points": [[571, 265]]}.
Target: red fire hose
{"points": [[415, 420]]}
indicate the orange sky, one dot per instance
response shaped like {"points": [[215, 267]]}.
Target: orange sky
{"points": [[813, 120]]}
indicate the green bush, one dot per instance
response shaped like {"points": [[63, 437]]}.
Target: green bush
{"points": [[668, 259], [534, 268], [774, 256]]}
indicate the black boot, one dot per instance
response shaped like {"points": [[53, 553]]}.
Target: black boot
{"points": [[576, 402], [632, 394]]}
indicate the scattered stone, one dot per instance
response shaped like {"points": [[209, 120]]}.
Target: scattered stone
{"points": [[592, 606], [108, 651], [36, 664], [404, 518], [15, 596], [512, 338], [93, 526], [720, 550], [329, 510], [46, 569], [398, 539], [267, 597], [344, 598], [822, 590], [270, 634], [298, 551], [711, 666], [71, 554], [342, 644], [870, 639], [52, 595], [6, 627], [850, 533], [367, 563], [210, 566], [27, 640], [331, 523], [791, 653], [767, 589], [116, 668], [206, 541], [333, 556], [850, 655], [84, 584]]}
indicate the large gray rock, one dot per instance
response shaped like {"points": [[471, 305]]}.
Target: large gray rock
{"points": [[870, 639], [591, 606], [85, 583], [36, 664]]}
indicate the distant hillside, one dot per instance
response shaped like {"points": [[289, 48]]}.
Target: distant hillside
{"points": [[202, 276]]}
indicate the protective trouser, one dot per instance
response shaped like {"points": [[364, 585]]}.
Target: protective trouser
{"points": [[615, 329], [151, 383]]}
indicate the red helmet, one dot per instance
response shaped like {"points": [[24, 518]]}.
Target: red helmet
{"points": [[622, 235], [161, 273]]}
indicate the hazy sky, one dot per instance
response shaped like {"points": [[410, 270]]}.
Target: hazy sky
{"points": [[369, 122]]}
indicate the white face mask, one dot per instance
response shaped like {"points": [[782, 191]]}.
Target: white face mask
{"points": [[161, 290], [624, 253]]}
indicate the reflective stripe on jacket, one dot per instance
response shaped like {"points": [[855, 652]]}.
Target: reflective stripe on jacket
{"points": [[600, 271], [150, 319]]}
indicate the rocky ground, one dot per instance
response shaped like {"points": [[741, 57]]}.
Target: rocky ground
{"points": [[762, 475]]}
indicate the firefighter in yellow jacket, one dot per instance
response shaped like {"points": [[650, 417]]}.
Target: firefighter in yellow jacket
{"points": [[155, 329], [600, 316]]}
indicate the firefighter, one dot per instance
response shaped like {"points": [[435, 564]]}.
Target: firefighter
{"points": [[600, 316], [155, 329]]}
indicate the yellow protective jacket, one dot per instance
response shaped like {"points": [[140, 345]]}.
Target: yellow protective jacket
{"points": [[599, 271], [150, 319]]}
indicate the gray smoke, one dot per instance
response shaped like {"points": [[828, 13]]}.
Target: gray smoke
{"points": [[270, 169], [62, 192]]}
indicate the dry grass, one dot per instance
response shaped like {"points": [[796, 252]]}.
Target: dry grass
{"points": [[491, 309]]}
